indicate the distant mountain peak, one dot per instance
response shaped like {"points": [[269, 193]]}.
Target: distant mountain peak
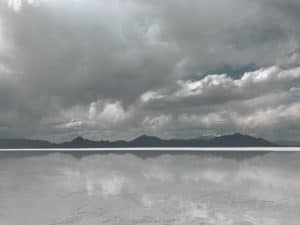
{"points": [[79, 139], [238, 139], [231, 140], [146, 137], [236, 134]]}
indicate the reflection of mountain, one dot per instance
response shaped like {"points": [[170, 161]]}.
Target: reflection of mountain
{"points": [[234, 140]]}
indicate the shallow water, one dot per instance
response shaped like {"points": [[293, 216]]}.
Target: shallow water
{"points": [[205, 189]]}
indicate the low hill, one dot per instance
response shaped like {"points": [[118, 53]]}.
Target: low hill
{"points": [[233, 140]]}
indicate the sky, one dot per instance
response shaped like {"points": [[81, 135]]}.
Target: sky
{"points": [[120, 68]]}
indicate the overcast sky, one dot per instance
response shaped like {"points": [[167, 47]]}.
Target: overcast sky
{"points": [[174, 68]]}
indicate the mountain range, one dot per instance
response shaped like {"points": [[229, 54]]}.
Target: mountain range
{"points": [[232, 140]]}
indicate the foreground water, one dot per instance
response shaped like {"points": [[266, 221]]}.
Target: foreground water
{"points": [[202, 189]]}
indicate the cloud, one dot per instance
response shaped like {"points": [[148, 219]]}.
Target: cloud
{"points": [[148, 59], [258, 102], [220, 88], [157, 122], [89, 120]]}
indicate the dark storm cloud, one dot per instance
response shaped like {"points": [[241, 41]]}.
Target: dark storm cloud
{"points": [[94, 67]]}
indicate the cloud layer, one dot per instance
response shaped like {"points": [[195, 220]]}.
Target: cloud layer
{"points": [[109, 70]]}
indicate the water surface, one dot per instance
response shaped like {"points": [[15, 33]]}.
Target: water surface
{"points": [[207, 188]]}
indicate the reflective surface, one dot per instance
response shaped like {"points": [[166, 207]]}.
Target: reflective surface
{"points": [[44, 189]]}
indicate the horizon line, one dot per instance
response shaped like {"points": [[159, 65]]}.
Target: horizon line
{"points": [[162, 149]]}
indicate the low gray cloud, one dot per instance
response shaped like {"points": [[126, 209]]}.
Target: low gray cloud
{"points": [[120, 68]]}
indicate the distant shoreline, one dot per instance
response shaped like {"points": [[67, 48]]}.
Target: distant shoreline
{"points": [[162, 149]]}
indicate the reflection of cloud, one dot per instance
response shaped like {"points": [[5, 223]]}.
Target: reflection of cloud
{"points": [[17, 5], [175, 189], [112, 185], [207, 175], [158, 174]]}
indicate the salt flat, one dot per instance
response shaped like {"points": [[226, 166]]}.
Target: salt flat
{"points": [[59, 188]]}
